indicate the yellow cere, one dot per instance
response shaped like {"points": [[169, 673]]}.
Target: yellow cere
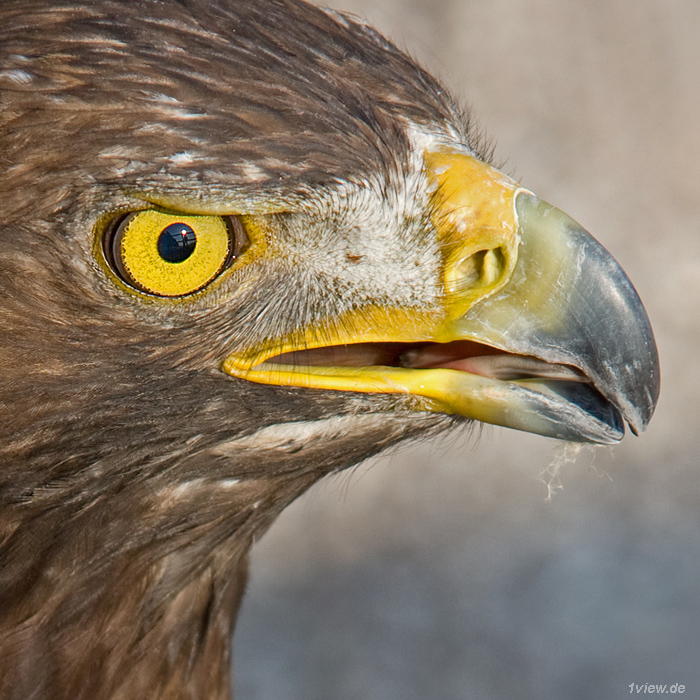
{"points": [[139, 256], [477, 222]]}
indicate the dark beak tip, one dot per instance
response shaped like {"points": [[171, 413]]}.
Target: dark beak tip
{"points": [[639, 414]]}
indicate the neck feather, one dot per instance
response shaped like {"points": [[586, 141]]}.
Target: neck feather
{"points": [[129, 595]]}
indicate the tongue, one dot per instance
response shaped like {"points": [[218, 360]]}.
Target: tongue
{"points": [[498, 366]]}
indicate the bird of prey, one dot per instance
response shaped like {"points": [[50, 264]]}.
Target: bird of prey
{"points": [[245, 244]]}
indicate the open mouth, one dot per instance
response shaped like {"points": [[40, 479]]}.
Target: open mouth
{"points": [[460, 355], [517, 274], [460, 377]]}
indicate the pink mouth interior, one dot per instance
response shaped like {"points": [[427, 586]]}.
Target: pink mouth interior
{"points": [[460, 355]]}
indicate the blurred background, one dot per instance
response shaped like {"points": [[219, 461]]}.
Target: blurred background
{"points": [[440, 571]]}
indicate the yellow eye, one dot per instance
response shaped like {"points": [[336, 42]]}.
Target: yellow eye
{"points": [[170, 254]]}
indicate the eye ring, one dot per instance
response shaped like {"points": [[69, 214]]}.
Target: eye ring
{"points": [[169, 254]]}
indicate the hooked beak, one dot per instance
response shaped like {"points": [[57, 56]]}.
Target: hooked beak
{"points": [[539, 329]]}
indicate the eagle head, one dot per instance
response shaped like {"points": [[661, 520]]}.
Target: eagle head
{"points": [[245, 244]]}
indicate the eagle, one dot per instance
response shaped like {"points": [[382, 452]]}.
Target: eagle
{"points": [[245, 244]]}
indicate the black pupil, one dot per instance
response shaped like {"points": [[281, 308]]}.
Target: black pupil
{"points": [[176, 243]]}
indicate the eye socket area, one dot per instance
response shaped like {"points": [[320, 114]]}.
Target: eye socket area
{"points": [[170, 254]]}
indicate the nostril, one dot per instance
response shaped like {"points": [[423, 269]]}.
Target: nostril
{"points": [[481, 269]]}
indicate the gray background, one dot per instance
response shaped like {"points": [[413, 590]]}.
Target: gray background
{"points": [[440, 570]]}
